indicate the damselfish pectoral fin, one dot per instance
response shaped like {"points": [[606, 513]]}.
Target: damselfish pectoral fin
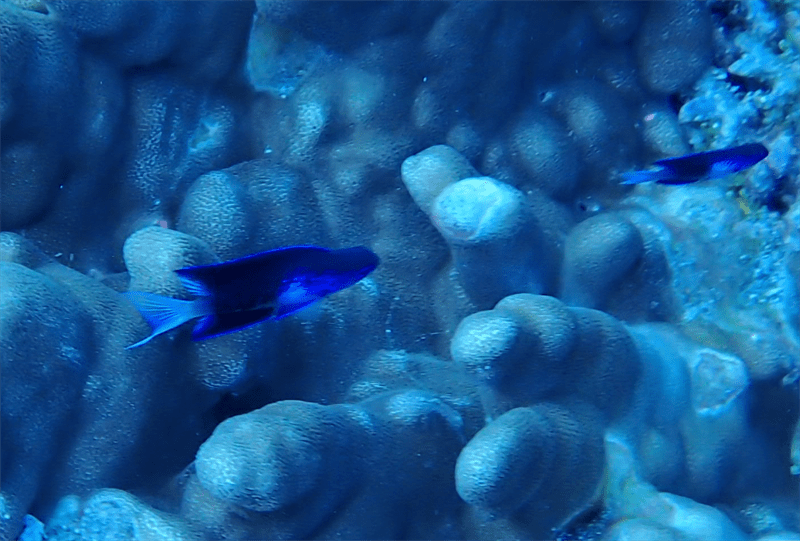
{"points": [[163, 313]]}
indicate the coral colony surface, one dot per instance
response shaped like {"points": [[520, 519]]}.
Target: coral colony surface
{"points": [[541, 353]]}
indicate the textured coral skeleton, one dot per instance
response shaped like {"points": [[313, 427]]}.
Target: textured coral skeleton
{"points": [[542, 352]]}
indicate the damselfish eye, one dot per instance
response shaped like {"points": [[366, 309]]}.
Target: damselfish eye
{"points": [[589, 206]]}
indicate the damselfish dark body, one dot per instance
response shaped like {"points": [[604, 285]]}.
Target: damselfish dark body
{"points": [[242, 292], [700, 166]]}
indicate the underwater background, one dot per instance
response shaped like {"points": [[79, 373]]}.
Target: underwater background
{"points": [[542, 352]]}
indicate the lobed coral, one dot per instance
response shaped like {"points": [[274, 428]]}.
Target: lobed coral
{"points": [[542, 353]]}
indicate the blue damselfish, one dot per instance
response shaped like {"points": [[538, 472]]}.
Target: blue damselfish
{"points": [[700, 166], [245, 291]]}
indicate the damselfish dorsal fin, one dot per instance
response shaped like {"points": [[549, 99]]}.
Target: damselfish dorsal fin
{"points": [[200, 281], [193, 285], [267, 268]]}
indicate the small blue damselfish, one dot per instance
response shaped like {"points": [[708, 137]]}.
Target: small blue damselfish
{"points": [[700, 166], [242, 292]]}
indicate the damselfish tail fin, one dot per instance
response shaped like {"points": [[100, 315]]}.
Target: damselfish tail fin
{"points": [[652, 175], [164, 313]]}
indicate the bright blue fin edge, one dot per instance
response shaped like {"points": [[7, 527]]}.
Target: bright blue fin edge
{"points": [[163, 313]]}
